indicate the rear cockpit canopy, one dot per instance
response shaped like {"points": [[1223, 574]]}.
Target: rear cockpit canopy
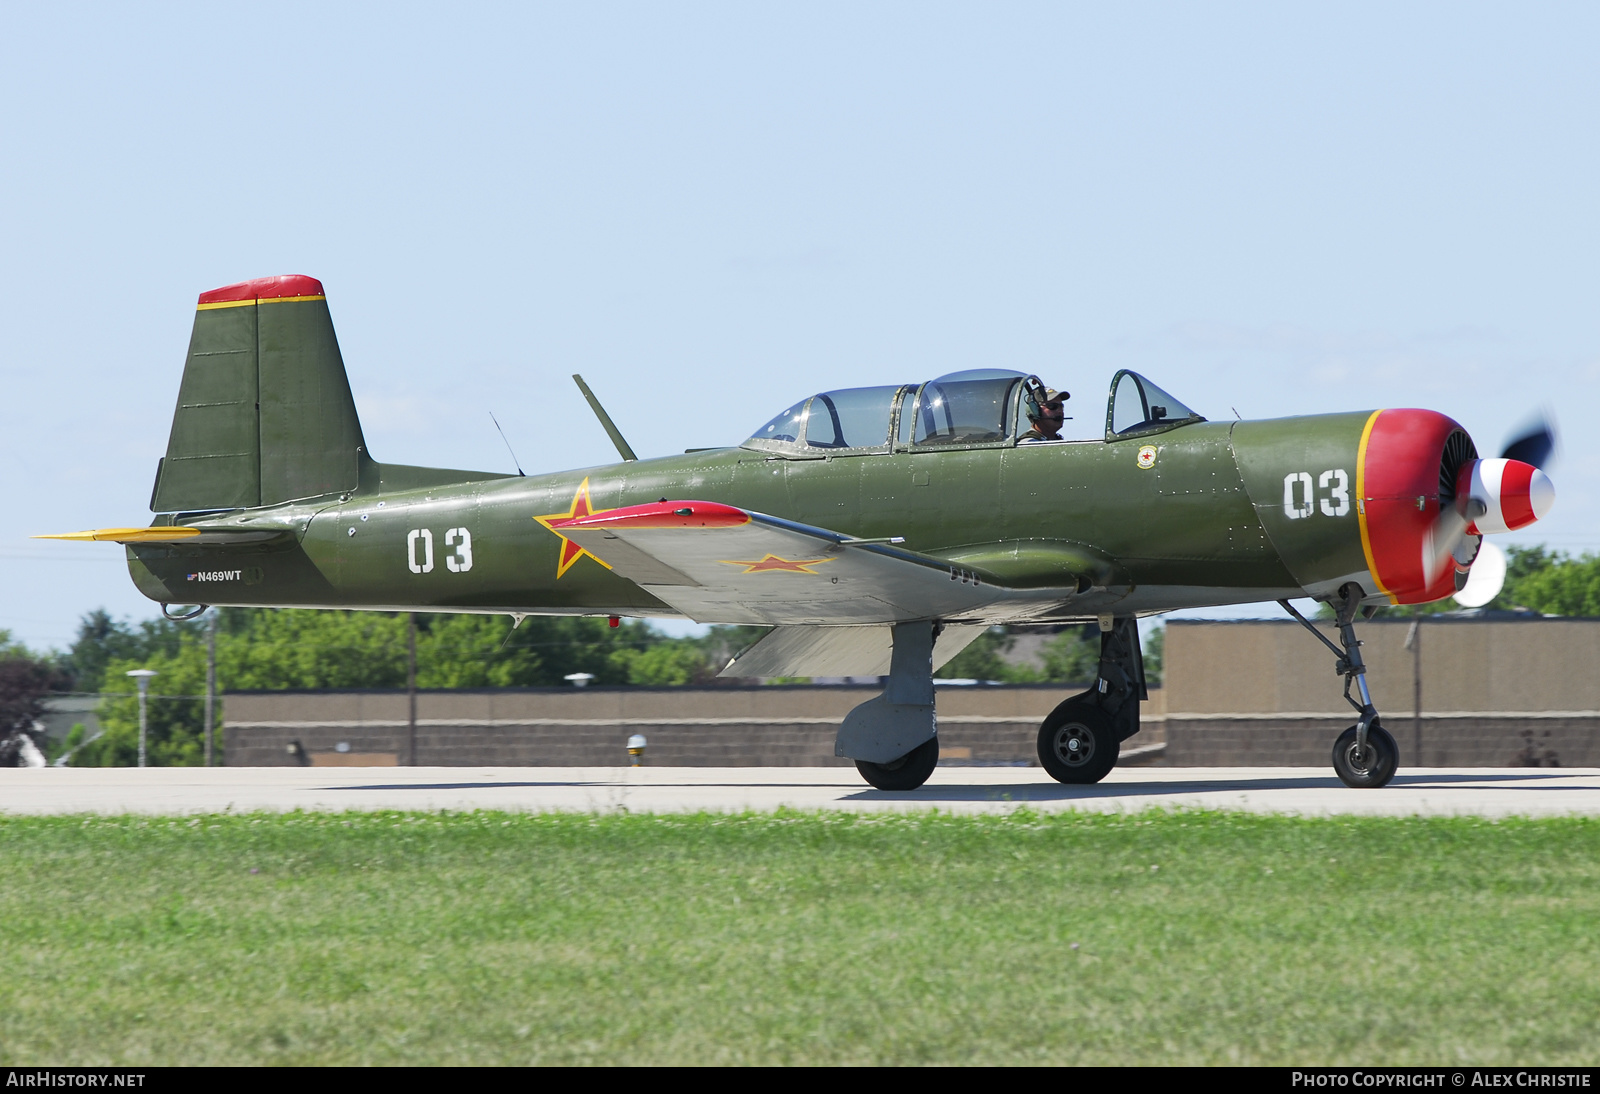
{"points": [[978, 406], [855, 418]]}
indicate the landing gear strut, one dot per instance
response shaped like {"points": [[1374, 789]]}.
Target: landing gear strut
{"points": [[893, 737], [1080, 740], [1365, 754]]}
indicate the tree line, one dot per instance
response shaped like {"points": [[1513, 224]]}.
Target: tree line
{"points": [[271, 649], [1537, 579], [267, 649]]}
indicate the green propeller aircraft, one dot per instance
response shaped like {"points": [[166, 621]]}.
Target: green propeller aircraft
{"points": [[877, 530]]}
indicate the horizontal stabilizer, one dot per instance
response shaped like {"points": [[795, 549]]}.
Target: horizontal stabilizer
{"points": [[170, 534], [128, 535]]}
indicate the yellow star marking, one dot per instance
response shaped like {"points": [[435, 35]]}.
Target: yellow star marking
{"points": [[772, 563], [571, 552]]}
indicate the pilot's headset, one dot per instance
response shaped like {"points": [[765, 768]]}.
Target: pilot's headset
{"points": [[1034, 396]]}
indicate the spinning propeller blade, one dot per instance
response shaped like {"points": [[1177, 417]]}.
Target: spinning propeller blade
{"points": [[1487, 576], [1535, 445], [1447, 535], [1499, 495]]}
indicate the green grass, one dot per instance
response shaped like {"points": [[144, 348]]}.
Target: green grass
{"points": [[816, 938]]}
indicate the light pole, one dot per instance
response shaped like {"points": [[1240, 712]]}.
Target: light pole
{"points": [[142, 678], [411, 684], [1414, 644], [211, 682]]}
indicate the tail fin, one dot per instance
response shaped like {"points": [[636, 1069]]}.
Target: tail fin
{"points": [[264, 411]]}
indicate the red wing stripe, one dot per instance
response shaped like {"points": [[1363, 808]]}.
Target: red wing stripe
{"points": [[661, 514]]}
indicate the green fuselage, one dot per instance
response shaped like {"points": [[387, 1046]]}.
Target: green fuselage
{"points": [[1205, 522]]}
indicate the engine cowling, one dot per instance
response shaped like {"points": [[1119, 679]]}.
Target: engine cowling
{"points": [[1409, 464]]}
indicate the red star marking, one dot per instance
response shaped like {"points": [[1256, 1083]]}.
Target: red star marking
{"points": [[570, 551], [774, 563]]}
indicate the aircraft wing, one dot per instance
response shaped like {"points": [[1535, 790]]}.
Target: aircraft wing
{"points": [[719, 564]]}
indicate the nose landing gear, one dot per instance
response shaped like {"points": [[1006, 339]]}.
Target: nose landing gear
{"points": [[1369, 764], [1365, 755]]}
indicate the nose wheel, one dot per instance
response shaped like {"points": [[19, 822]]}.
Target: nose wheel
{"points": [[1372, 764], [1365, 755]]}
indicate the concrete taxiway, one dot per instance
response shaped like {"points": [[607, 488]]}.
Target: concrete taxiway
{"points": [[1288, 790]]}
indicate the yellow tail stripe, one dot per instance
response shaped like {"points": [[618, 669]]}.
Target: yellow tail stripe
{"points": [[262, 300]]}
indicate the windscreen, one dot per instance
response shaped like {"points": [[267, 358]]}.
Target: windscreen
{"points": [[1137, 404], [786, 427]]}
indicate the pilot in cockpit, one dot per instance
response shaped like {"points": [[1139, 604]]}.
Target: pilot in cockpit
{"points": [[1046, 412]]}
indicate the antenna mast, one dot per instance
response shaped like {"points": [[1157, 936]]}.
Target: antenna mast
{"points": [[513, 452]]}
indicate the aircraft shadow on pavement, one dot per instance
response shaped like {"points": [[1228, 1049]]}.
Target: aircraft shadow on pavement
{"points": [[1480, 781], [589, 783], [1097, 791], [463, 786], [1044, 791], [1050, 792]]}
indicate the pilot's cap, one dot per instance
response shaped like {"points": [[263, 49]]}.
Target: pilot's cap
{"points": [[1051, 395]]}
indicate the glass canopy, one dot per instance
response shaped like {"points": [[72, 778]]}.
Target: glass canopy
{"points": [[961, 409]]}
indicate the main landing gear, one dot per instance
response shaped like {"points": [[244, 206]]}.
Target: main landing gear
{"points": [[906, 773], [893, 737], [1080, 740], [1365, 754]]}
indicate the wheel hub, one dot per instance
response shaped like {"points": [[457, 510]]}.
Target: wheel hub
{"points": [[1075, 745], [1360, 759]]}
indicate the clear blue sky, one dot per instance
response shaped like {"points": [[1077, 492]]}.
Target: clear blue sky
{"points": [[711, 210]]}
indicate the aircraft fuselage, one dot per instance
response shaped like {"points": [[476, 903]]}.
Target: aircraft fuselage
{"points": [[1194, 516]]}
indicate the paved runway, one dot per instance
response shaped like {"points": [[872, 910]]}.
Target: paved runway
{"points": [[1297, 790]]}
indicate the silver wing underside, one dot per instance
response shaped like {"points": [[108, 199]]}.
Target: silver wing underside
{"points": [[839, 651], [743, 567]]}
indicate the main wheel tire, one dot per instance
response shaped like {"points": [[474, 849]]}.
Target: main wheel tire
{"points": [[1375, 767], [1077, 743], [908, 772]]}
